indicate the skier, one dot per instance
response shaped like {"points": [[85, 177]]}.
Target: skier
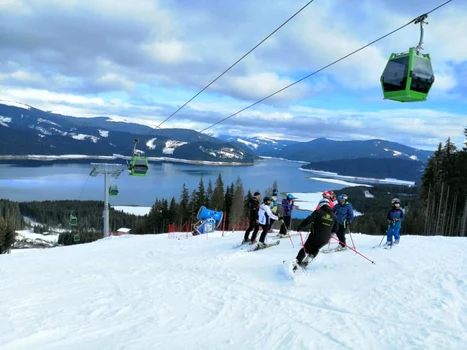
{"points": [[253, 207], [345, 215], [287, 208], [394, 217], [273, 207], [327, 195], [333, 198], [265, 215], [323, 224]]}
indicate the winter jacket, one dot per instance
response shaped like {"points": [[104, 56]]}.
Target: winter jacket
{"points": [[253, 207], [273, 205], [395, 215], [323, 223], [344, 212], [287, 207], [265, 214]]}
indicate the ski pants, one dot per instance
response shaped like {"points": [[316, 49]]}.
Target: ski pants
{"points": [[253, 226], [393, 231], [265, 228], [285, 225], [312, 246], [341, 231]]}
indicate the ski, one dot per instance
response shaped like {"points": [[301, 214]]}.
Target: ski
{"points": [[240, 245], [256, 247], [287, 236], [327, 251], [293, 269]]}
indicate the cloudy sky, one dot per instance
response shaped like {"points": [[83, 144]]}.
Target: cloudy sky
{"points": [[142, 59]]}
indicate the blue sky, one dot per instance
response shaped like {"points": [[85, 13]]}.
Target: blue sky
{"points": [[141, 60]]}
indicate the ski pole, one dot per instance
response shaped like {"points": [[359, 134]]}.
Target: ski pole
{"points": [[389, 226], [363, 256], [353, 244]]}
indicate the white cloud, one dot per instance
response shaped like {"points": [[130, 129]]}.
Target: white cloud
{"points": [[154, 55]]}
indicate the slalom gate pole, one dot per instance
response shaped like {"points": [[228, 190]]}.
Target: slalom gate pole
{"points": [[288, 233], [303, 243], [363, 256]]}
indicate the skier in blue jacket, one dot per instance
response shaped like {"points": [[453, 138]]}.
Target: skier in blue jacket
{"points": [[394, 217], [345, 215]]}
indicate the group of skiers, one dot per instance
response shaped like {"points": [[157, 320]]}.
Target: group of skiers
{"points": [[265, 214], [333, 214]]}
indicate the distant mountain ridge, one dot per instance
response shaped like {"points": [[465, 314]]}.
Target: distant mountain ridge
{"points": [[395, 168], [25, 130], [322, 149]]}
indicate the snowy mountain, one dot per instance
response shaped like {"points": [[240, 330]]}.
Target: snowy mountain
{"points": [[25, 130], [323, 149], [262, 146], [172, 292]]}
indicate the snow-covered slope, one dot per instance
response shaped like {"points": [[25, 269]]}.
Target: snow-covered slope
{"points": [[152, 292]]}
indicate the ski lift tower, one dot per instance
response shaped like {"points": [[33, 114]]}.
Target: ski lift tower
{"points": [[105, 169]]}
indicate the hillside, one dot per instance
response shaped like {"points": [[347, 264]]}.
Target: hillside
{"points": [[147, 292], [322, 149], [402, 169], [25, 130]]}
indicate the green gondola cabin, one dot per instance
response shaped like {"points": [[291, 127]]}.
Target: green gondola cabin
{"points": [[407, 77], [113, 191], [73, 221], [138, 166]]}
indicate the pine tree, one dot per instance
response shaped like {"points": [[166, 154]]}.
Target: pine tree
{"points": [[237, 211], [228, 199], [201, 194], [173, 210], [193, 207], [209, 193], [184, 211], [217, 199]]}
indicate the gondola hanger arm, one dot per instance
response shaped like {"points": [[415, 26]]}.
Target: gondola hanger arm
{"points": [[421, 19]]}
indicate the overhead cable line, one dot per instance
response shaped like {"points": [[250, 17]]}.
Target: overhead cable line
{"points": [[236, 62], [325, 67]]}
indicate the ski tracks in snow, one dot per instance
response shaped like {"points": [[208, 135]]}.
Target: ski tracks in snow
{"points": [[199, 293]]}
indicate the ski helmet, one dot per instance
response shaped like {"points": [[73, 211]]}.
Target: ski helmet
{"points": [[290, 196], [274, 192], [266, 199], [323, 202], [396, 201], [326, 194], [342, 197]]}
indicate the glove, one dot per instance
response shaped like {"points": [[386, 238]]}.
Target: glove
{"points": [[281, 218]]}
